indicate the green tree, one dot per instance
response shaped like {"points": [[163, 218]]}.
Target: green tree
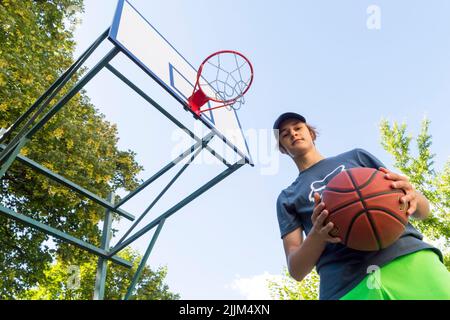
{"points": [[434, 185], [287, 288], [63, 282], [78, 143], [419, 168]]}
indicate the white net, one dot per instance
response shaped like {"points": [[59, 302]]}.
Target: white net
{"points": [[226, 77]]}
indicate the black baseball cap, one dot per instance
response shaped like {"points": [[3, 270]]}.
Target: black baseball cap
{"points": [[286, 116]]}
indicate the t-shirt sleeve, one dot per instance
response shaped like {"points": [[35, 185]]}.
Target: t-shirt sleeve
{"points": [[288, 219], [366, 159]]}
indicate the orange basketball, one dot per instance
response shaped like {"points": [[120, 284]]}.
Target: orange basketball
{"points": [[366, 211]]}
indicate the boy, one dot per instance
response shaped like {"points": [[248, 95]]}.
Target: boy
{"points": [[408, 269]]}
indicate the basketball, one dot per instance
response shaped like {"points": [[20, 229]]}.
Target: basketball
{"points": [[366, 211]]}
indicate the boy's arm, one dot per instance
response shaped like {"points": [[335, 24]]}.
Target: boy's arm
{"points": [[301, 255], [423, 207], [418, 205]]}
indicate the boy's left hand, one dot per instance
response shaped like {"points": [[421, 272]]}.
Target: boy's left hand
{"points": [[402, 182]]}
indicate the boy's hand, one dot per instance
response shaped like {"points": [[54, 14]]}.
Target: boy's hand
{"points": [[319, 230], [402, 182]]}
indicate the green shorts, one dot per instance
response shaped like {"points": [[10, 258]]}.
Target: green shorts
{"points": [[416, 276]]}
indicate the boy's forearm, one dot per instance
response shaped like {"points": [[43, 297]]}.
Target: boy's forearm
{"points": [[423, 207], [302, 261]]}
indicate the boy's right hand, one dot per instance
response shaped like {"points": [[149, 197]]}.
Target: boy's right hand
{"points": [[319, 230]]}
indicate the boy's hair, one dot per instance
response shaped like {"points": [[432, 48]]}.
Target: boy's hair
{"points": [[312, 131]]}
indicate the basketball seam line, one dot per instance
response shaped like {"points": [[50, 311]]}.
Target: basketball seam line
{"points": [[357, 215], [389, 213], [377, 238], [366, 198], [365, 184]]}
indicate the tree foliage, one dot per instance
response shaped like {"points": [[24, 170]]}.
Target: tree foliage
{"points": [[433, 184], [73, 282], [287, 288]]}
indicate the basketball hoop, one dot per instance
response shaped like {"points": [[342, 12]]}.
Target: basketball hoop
{"points": [[224, 77]]}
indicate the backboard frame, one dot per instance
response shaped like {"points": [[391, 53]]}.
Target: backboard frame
{"points": [[238, 142]]}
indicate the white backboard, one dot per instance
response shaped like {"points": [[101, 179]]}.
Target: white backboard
{"points": [[142, 43]]}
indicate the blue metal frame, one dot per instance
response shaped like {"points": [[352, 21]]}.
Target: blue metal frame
{"points": [[24, 131], [8, 213], [51, 92], [166, 188], [102, 266]]}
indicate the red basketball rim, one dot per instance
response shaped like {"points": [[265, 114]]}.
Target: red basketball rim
{"points": [[200, 69]]}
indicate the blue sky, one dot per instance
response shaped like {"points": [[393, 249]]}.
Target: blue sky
{"points": [[317, 58]]}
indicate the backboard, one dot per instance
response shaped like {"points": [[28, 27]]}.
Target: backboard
{"points": [[143, 44]]}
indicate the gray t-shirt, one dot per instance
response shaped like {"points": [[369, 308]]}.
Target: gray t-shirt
{"points": [[340, 268]]}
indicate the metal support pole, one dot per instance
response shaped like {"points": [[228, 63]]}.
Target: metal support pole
{"points": [[53, 89], [6, 157], [178, 206], [164, 170], [167, 187], [11, 157], [51, 92], [102, 266], [165, 113], [72, 92], [73, 186], [10, 214], [138, 272]]}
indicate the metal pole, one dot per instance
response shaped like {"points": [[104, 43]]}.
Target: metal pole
{"points": [[63, 100], [167, 187], [51, 92], [138, 272], [8, 213], [71, 185], [165, 113], [12, 156], [178, 206], [163, 170], [102, 266]]}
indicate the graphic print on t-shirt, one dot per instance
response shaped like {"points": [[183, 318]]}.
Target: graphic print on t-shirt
{"points": [[319, 185]]}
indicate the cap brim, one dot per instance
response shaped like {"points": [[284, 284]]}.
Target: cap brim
{"points": [[287, 116]]}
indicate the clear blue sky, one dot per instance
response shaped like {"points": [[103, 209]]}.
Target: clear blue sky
{"points": [[317, 58]]}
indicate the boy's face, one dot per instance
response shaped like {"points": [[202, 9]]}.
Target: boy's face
{"points": [[295, 137]]}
